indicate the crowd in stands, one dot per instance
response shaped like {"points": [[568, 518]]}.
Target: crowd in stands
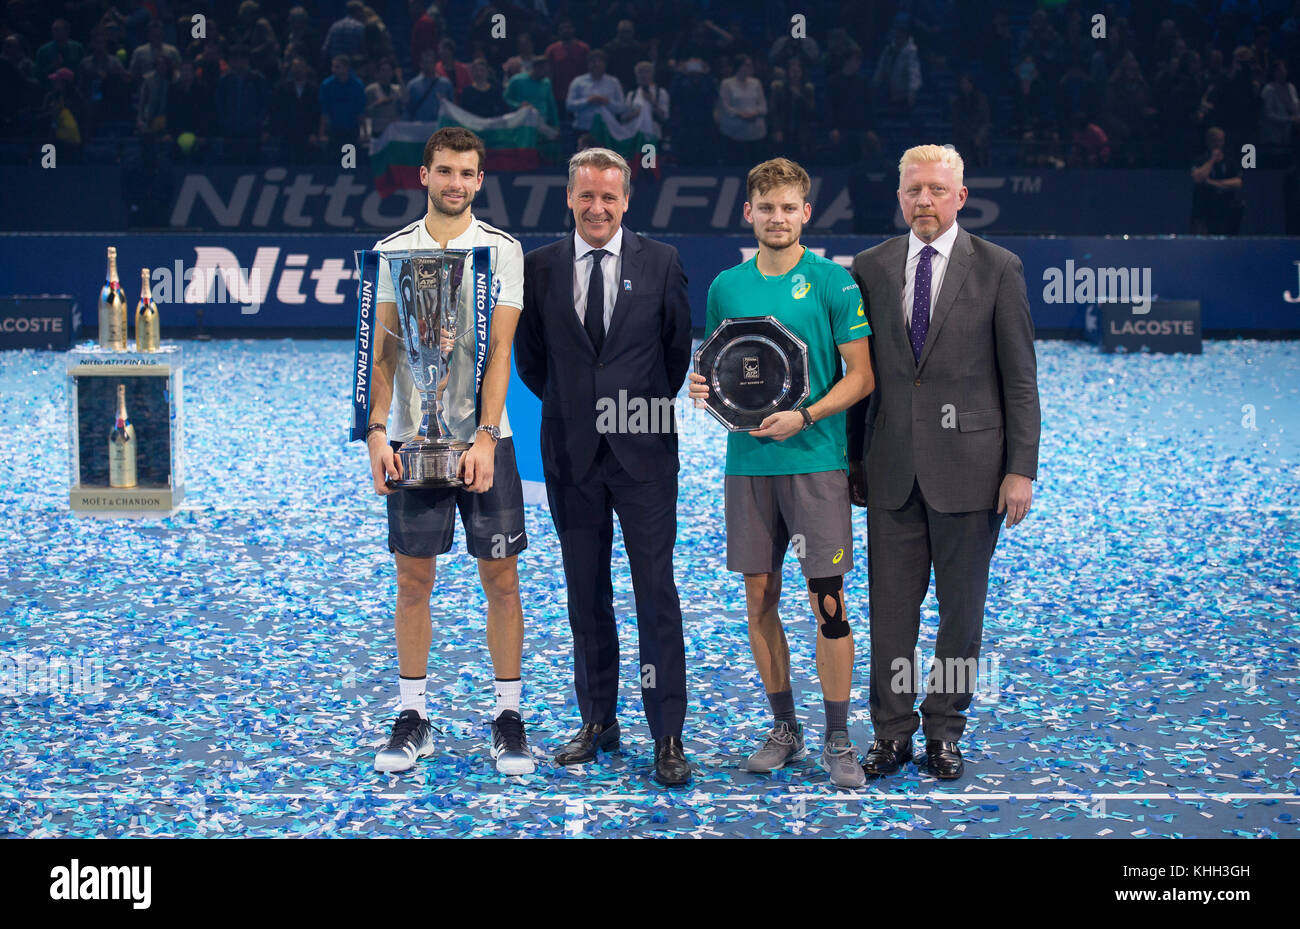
{"points": [[1018, 83]]}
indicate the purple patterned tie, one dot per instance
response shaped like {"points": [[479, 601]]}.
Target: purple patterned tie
{"points": [[921, 302]]}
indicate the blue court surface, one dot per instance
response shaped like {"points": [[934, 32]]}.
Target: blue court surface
{"points": [[1141, 637]]}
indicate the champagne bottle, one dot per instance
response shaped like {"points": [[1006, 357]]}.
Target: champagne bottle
{"points": [[146, 317], [112, 309], [121, 446]]}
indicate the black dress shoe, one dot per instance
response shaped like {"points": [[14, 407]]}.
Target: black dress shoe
{"points": [[671, 767], [591, 738], [944, 760], [886, 756]]}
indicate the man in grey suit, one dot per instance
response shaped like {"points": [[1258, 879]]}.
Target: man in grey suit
{"points": [[950, 441]]}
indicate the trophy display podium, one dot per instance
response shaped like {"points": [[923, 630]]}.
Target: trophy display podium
{"points": [[153, 397]]}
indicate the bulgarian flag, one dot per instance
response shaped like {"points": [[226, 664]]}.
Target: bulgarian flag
{"points": [[511, 142], [627, 135]]}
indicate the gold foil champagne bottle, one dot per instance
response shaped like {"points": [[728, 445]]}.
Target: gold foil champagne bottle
{"points": [[121, 446], [146, 317], [112, 308]]}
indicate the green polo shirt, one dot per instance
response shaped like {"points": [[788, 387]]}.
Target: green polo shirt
{"points": [[819, 302]]}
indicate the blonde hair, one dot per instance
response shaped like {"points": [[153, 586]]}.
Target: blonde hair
{"points": [[778, 172], [924, 154]]}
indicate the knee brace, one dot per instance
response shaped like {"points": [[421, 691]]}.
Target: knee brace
{"points": [[834, 625]]}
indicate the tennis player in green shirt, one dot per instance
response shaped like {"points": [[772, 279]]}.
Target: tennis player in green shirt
{"points": [[787, 481]]}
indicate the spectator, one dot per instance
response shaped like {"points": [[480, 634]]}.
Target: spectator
{"points": [[295, 113], [591, 91], [151, 112], [305, 36], [1236, 101], [482, 97], [567, 57], [66, 114], [1043, 43], [1128, 105], [742, 111], [1217, 206], [145, 58], [377, 41], [1030, 103], [346, 36], [210, 69], [1089, 146], [648, 94], [253, 31], [898, 73], [342, 101], [695, 96], [59, 52], [971, 122], [1280, 113], [386, 97], [839, 47], [426, 27], [624, 51], [792, 111], [1075, 93], [105, 84], [848, 99], [787, 46], [241, 103], [455, 71], [1177, 101], [482, 41], [426, 90], [704, 40], [18, 88], [532, 87], [189, 112]]}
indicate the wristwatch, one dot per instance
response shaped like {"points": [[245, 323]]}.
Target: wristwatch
{"points": [[807, 417], [493, 431]]}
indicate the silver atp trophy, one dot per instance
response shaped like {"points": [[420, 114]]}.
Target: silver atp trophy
{"points": [[427, 288]]}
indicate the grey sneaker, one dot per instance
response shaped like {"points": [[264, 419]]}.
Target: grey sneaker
{"points": [[840, 761], [412, 738], [784, 744]]}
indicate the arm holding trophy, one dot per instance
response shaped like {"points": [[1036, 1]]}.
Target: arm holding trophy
{"points": [[477, 463], [383, 463]]}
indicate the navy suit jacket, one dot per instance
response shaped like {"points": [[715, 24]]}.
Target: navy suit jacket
{"points": [[642, 363]]}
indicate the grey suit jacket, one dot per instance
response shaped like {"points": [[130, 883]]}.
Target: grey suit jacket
{"points": [[967, 413]]}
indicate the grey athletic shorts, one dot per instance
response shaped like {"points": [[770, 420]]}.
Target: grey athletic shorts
{"points": [[766, 514], [422, 523]]}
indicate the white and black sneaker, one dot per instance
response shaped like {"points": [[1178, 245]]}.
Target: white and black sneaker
{"points": [[412, 738], [510, 745]]}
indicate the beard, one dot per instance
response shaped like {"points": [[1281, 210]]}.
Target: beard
{"points": [[778, 246], [436, 204]]}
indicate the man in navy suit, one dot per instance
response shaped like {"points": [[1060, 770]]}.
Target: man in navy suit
{"points": [[605, 341]]}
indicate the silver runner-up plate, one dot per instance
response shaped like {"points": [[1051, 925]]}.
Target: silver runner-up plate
{"points": [[754, 367]]}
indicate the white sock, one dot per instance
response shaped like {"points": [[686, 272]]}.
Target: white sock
{"points": [[507, 695], [413, 694]]}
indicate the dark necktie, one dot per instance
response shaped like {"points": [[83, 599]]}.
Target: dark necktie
{"points": [[921, 302], [594, 320]]}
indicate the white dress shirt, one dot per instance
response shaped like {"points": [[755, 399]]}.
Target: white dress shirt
{"points": [[610, 266], [938, 264]]}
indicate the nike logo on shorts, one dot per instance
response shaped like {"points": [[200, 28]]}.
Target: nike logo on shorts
{"points": [[514, 538]]}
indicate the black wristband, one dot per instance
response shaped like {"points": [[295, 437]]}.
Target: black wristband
{"points": [[373, 426], [807, 417]]}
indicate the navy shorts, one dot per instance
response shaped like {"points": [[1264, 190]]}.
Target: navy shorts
{"points": [[422, 523]]}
